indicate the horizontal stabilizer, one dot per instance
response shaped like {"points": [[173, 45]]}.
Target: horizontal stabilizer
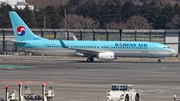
{"points": [[17, 42]]}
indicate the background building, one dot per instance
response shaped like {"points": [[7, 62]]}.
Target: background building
{"points": [[20, 4]]}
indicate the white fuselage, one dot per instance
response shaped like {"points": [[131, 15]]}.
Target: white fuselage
{"points": [[117, 53]]}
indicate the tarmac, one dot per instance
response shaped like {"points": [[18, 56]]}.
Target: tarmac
{"points": [[77, 80]]}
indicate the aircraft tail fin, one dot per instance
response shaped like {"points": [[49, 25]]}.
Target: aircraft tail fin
{"points": [[21, 31]]}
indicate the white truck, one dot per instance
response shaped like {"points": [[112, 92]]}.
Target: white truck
{"points": [[122, 92]]}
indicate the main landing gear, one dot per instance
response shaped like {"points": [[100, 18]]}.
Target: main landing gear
{"points": [[90, 59]]}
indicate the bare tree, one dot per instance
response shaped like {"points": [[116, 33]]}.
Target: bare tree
{"points": [[76, 21], [63, 2], [162, 3], [137, 22], [174, 23], [115, 25]]}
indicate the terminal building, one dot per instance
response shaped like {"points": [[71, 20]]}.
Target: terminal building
{"points": [[168, 37]]}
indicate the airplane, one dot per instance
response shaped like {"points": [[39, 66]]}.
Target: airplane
{"points": [[103, 50]]}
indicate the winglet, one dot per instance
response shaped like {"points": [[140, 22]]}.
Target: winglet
{"points": [[62, 43]]}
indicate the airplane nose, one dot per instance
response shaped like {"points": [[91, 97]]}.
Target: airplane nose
{"points": [[173, 52]]}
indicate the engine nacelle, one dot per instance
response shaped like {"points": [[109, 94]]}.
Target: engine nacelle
{"points": [[106, 56]]}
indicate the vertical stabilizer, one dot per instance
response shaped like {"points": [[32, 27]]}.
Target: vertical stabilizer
{"points": [[21, 30]]}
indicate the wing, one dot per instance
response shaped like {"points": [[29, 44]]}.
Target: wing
{"points": [[86, 52]]}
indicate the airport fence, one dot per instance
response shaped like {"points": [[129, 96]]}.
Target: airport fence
{"points": [[171, 37]]}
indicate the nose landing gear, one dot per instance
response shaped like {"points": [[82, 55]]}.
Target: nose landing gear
{"points": [[159, 60]]}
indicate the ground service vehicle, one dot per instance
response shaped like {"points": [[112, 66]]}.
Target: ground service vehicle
{"points": [[122, 92]]}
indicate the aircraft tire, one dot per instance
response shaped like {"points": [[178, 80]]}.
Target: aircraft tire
{"points": [[127, 97], [137, 97], [159, 61], [90, 60]]}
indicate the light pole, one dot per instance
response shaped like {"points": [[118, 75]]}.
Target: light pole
{"points": [[65, 17]]}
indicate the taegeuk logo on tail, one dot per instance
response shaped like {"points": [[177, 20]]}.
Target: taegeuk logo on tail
{"points": [[20, 30]]}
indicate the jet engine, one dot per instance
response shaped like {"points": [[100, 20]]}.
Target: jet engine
{"points": [[106, 56]]}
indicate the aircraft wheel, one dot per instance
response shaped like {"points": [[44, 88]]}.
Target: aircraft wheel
{"points": [[90, 60], [137, 97], [127, 97], [159, 60]]}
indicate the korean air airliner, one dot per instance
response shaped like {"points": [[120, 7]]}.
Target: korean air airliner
{"points": [[103, 50]]}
